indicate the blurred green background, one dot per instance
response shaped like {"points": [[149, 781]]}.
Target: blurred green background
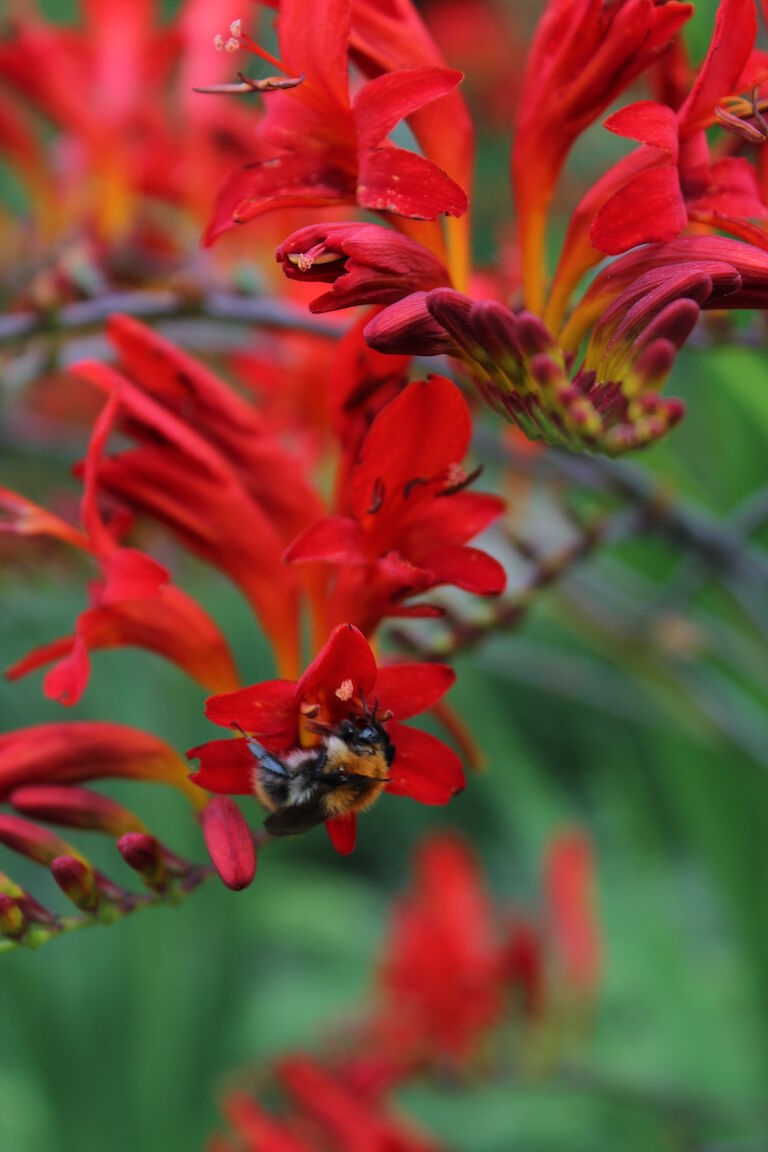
{"points": [[121, 1038]]}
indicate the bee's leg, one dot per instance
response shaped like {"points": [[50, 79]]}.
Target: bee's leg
{"points": [[266, 759]]}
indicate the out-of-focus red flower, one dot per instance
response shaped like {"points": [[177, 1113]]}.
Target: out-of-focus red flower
{"points": [[100, 83], [441, 983], [584, 54], [653, 193], [570, 888], [410, 515], [321, 1113], [284, 715], [333, 150], [207, 467], [365, 263], [134, 603]]}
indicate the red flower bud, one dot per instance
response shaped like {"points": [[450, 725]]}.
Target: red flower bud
{"points": [[143, 853], [77, 882], [365, 263], [229, 842], [12, 922]]}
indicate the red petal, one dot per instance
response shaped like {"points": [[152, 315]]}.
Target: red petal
{"points": [[393, 180], [342, 832], [385, 101], [131, 575], [453, 520], [334, 539], [424, 768], [407, 689], [419, 434], [285, 181], [467, 568], [346, 656], [68, 679], [226, 766], [729, 50], [648, 122], [314, 44], [268, 709], [229, 842], [650, 207]]}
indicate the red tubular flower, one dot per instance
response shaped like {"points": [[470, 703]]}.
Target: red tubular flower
{"points": [[100, 83], [411, 516], [205, 467], [440, 982], [133, 604], [347, 1122], [652, 194], [584, 54], [71, 753], [678, 180], [641, 309], [333, 150], [284, 715], [570, 887], [365, 263]]}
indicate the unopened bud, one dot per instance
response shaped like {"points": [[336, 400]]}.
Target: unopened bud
{"points": [[143, 853], [229, 842], [76, 881], [12, 922]]}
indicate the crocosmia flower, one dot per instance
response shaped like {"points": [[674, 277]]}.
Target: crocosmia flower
{"points": [[341, 683], [410, 513]]}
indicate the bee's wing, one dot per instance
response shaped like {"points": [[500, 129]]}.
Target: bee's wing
{"points": [[294, 819]]}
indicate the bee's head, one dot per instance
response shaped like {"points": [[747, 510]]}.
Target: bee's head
{"points": [[366, 737]]}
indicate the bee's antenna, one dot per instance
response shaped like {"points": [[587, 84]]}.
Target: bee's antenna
{"points": [[375, 708], [234, 724], [365, 706]]}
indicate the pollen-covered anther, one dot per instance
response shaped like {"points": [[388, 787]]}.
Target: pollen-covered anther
{"points": [[345, 690], [232, 45], [236, 28], [218, 42], [317, 255]]}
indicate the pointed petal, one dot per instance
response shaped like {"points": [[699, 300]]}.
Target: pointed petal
{"points": [[729, 50], [346, 656], [407, 689], [649, 123], [382, 103], [315, 44], [394, 180], [335, 539], [226, 766], [419, 434], [467, 568], [424, 768], [269, 709], [342, 832], [282, 182], [650, 207]]}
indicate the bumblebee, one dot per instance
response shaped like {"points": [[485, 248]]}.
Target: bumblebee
{"points": [[346, 772]]}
